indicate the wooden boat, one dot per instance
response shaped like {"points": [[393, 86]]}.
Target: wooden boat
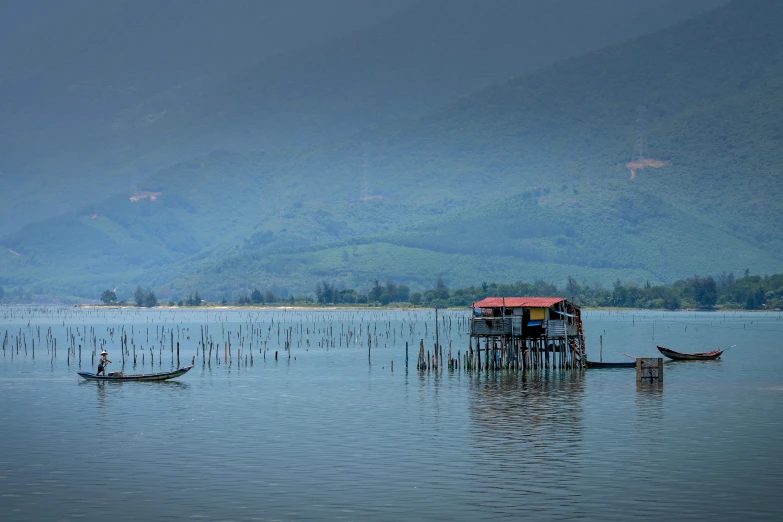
{"points": [[677, 356], [118, 376], [596, 364]]}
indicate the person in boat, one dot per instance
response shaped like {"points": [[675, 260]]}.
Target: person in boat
{"points": [[102, 362]]}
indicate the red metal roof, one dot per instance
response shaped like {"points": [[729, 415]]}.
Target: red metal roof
{"points": [[512, 302]]}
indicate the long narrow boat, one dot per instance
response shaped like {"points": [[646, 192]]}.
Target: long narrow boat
{"points": [[596, 364], [118, 376], [677, 356]]}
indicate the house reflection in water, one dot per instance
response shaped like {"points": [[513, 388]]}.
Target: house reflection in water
{"points": [[529, 436]]}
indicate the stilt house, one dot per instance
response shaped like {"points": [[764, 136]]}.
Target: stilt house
{"points": [[528, 332]]}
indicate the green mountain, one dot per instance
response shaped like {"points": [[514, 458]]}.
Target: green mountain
{"points": [[90, 85], [524, 180], [97, 95]]}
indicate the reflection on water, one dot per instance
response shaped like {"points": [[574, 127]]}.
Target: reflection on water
{"points": [[326, 434], [647, 389], [650, 420], [529, 408], [527, 430]]}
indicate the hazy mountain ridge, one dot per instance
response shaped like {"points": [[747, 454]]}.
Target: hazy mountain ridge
{"points": [[147, 84], [87, 104], [442, 186]]}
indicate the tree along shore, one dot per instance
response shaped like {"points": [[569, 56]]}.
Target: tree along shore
{"points": [[725, 292]]}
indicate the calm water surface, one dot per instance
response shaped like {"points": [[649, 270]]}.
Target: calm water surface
{"points": [[333, 433]]}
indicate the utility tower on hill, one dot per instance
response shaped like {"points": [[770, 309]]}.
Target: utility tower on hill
{"points": [[640, 146], [364, 192], [640, 161]]}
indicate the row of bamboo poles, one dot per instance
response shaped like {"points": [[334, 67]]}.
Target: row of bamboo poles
{"points": [[499, 354], [220, 341]]}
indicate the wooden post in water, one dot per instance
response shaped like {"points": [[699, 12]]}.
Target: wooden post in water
{"points": [[649, 369], [436, 327]]}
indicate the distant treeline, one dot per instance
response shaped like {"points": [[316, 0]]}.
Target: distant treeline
{"points": [[725, 291], [141, 297]]}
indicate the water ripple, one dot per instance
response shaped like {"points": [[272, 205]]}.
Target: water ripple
{"points": [[335, 434]]}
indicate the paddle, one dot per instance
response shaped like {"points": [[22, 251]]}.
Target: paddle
{"points": [[644, 363]]}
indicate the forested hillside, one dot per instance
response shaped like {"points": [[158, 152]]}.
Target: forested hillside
{"points": [[89, 85], [98, 95], [525, 180]]}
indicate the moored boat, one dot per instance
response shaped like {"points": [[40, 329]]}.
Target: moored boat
{"points": [[118, 376], [677, 356], [597, 364]]}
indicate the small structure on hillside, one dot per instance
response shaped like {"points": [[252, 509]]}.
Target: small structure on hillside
{"points": [[526, 333]]}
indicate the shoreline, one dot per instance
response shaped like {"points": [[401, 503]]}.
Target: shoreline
{"points": [[395, 308]]}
